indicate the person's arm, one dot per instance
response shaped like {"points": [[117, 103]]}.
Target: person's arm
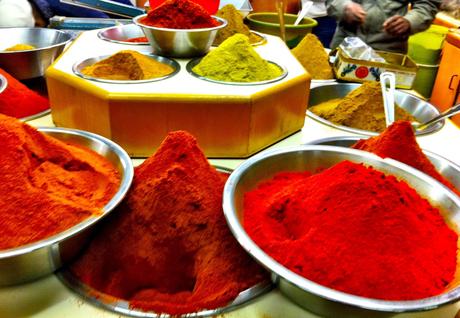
{"points": [[422, 14], [346, 10]]}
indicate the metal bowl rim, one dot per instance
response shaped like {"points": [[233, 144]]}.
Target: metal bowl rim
{"points": [[37, 115], [3, 83], [438, 126], [305, 284], [103, 37], [223, 24], [121, 306], [312, 22], [162, 59], [193, 62], [125, 183], [68, 35]]}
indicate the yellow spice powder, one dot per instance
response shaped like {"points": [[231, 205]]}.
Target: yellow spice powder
{"points": [[21, 47], [311, 54]]}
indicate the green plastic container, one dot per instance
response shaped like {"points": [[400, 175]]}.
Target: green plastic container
{"points": [[425, 47], [424, 80]]}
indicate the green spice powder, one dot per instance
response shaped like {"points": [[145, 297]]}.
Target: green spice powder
{"points": [[235, 60]]}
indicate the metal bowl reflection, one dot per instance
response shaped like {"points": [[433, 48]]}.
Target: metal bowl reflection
{"points": [[122, 33], [79, 66], [192, 63], [421, 110], [180, 42], [306, 293], [27, 64], [3, 83], [37, 259]]}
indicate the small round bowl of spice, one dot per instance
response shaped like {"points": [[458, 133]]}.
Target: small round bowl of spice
{"points": [[56, 185], [126, 67], [358, 108], [26, 53], [180, 28], [235, 62], [129, 34], [346, 233]]}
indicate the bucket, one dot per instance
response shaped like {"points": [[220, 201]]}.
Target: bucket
{"points": [[425, 47], [424, 80]]}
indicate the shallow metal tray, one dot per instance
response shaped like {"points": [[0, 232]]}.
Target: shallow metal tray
{"points": [[192, 63], [77, 68]]}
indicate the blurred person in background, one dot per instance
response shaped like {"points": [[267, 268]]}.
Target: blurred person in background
{"points": [[29, 13], [326, 24], [383, 24]]}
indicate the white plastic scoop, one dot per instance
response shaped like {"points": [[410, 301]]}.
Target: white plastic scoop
{"points": [[388, 96], [303, 12]]}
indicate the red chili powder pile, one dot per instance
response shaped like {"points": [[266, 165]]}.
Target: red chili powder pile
{"points": [[168, 248], [353, 229], [179, 14], [47, 186], [17, 100], [398, 142]]}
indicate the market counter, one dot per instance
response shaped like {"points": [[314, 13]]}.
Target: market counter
{"points": [[49, 298]]}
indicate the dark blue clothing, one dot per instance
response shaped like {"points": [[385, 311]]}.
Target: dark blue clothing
{"points": [[50, 8], [325, 30]]}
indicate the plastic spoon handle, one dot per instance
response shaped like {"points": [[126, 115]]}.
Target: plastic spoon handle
{"points": [[280, 9], [305, 7], [388, 96], [446, 114]]}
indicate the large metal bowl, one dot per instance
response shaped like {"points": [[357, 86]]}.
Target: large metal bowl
{"points": [[121, 34], [37, 259], [27, 64], [420, 109], [445, 167], [180, 42], [310, 295]]}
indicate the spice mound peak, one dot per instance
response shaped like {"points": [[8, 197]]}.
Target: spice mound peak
{"points": [[47, 186], [179, 14], [398, 142], [235, 25], [235, 60], [167, 248]]}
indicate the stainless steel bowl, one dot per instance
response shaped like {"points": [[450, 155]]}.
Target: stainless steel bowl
{"points": [[420, 109], [78, 67], [180, 42], [3, 83], [307, 294], [37, 259], [192, 63], [27, 64], [121, 33], [445, 167]]}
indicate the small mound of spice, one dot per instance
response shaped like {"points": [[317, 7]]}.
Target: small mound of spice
{"points": [[353, 229], [20, 47], [47, 186], [17, 100], [235, 60], [140, 39], [362, 108], [128, 65], [235, 25], [168, 248], [398, 142], [311, 54], [179, 14]]}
